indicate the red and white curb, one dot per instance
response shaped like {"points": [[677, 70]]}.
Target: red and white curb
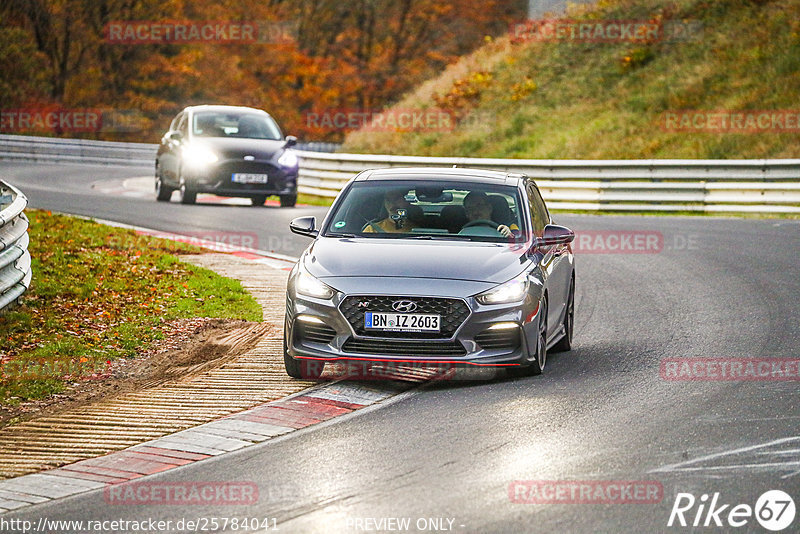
{"points": [[231, 433]]}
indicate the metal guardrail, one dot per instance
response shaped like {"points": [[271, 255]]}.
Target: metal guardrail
{"points": [[757, 186], [15, 260], [57, 150]]}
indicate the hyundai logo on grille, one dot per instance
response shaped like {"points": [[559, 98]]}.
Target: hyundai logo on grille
{"points": [[404, 306], [249, 158]]}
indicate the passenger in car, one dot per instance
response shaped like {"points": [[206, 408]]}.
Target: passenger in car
{"points": [[479, 208], [400, 217]]}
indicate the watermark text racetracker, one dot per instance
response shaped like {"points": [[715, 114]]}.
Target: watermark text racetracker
{"points": [[182, 493], [631, 242], [731, 369], [64, 120], [392, 120], [585, 492], [79, 368], [193, 32], [605, 31], [731, 121]]}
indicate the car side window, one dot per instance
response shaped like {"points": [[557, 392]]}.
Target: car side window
{"points": [[539, 215]]}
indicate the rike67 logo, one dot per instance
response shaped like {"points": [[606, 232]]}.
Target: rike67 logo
{"points": [[774, 510]]}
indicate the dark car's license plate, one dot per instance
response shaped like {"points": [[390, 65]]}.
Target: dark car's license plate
{"points": [[249, 178]]}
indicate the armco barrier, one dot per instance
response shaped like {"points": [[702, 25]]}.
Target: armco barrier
{"points": [[756, 186], [15, 260], [55, 150]]}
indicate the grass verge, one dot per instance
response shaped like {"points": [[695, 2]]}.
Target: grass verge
{"points": [[101, 293]]}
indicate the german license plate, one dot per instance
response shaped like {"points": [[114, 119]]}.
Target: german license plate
{"points": [[249, 178], [402, 322]]}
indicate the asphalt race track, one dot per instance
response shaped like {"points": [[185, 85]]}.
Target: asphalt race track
{"points": [[446, 454]]}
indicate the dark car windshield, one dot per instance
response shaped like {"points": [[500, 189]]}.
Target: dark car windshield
{"points": [[428, 209], [235, 124]]}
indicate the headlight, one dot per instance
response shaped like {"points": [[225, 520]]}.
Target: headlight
{"points": [[511, 291], [288, 159], [311, 287], [199, 156]]}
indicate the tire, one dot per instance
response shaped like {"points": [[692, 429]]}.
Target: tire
{"points": [[308, 369], [536, 367], [565, 344], [187, 195], [289, 201], [259, 200], [163, 193]]}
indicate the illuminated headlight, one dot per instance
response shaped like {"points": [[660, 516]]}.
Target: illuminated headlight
{"points": [[288, 159], [311, 287], [199, 156], [511, 291]]}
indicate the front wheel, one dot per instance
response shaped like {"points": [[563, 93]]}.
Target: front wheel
{"points": [[565, 343], [288, 201], [536, 366], [163, 193], [187, 196], [308, 369], [258, 200]]}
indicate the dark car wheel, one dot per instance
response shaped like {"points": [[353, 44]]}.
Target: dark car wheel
{"points": [[288, 201], [308, 369], [187, 194], [565, 343], [536, 366], [163, 193], [259, 200]]}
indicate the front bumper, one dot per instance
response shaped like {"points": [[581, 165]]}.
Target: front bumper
{"points": [[320, 330], [218, 179]]}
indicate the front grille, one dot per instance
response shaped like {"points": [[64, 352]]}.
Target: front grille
{"points": [[453, 313], [314, 333], [499, 339], [404, 348]]}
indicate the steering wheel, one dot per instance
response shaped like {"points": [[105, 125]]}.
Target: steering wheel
{"points": [[481, 222]]}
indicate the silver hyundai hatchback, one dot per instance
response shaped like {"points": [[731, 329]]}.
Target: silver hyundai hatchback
{"points": [[460, 267]]}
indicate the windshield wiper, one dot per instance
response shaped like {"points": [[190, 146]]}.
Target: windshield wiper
{"points": [[338, 234], [442, 237]]}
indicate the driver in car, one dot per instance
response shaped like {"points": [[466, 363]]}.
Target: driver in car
{"points": [[479, 213], [398, 209]]}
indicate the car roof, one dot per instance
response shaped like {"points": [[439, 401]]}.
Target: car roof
{"points": [[223, 109], [442, 173]]}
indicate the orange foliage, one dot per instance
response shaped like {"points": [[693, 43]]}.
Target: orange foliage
{"points": [[358, 54]]}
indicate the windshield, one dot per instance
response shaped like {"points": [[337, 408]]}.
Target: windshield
{"points": [[241, 124], [428, 209]]}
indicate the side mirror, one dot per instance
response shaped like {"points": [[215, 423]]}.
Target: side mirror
{"points": [[290, 141], [305, 226], [176, 136], [555, 235]]}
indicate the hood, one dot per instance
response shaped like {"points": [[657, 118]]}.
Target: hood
{"points": [[398, 258], [238, 148]]}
